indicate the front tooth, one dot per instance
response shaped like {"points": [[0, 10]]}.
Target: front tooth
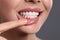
{"points": [[33, 16], [35, 13], [26, 13], [26, 17], [29, 14]]}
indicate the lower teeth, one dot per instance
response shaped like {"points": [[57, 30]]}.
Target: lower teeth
{"points": [[29, 16]]}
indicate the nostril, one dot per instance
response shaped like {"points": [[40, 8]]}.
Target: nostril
{"points": [[29, 0], [38, 1], [33, 1]]}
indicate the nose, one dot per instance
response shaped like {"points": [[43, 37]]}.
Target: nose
{"points": [[33, 1]]}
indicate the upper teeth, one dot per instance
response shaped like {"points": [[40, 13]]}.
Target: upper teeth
{"points": [[29, 14]]}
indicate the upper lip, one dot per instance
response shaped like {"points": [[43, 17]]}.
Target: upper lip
{"points": [[31, 10]]}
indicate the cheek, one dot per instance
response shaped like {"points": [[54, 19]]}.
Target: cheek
{"points": [[8, 7], [9, 3], [47, 4]]}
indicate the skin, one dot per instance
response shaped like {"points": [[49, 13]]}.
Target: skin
{"points": [[12, 26]]}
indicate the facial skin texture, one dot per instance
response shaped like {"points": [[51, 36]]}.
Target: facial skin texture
{"points": [[9, 10]]}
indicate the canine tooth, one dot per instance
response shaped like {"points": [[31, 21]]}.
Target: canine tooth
{"points": [[23, 13]]}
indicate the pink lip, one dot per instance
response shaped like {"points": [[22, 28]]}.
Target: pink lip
{"points": [[30, 21], [31, 10]]}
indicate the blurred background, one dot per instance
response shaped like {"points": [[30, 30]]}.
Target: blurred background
{"points": [[51, 29]]}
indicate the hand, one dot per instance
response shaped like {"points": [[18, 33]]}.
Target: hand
{"points": [[11, 24]]}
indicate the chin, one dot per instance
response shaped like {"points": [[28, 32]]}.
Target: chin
{"points": [[32, 28], [29, 29]]}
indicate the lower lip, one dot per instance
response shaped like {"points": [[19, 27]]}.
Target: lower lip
{"points": [[32, 21], [29, 21]]}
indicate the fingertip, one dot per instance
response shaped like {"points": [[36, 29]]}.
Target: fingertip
{"points": [[23, 21]]}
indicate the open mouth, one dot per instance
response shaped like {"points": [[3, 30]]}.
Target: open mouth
{"points": [[29, 15], [32, 15]]}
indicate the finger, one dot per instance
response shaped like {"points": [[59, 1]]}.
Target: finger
{"points": [[12, 24]]}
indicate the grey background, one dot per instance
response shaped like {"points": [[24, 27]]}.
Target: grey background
{"points": [[51, 29]]}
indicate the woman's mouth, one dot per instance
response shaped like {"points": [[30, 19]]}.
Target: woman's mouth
{"points": [[31, 15]]}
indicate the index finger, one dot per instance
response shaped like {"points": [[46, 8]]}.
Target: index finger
{"points": [[12, 24]]}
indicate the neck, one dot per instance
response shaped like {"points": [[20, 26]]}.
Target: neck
{"points": [[20, 36], [29, 37]]}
